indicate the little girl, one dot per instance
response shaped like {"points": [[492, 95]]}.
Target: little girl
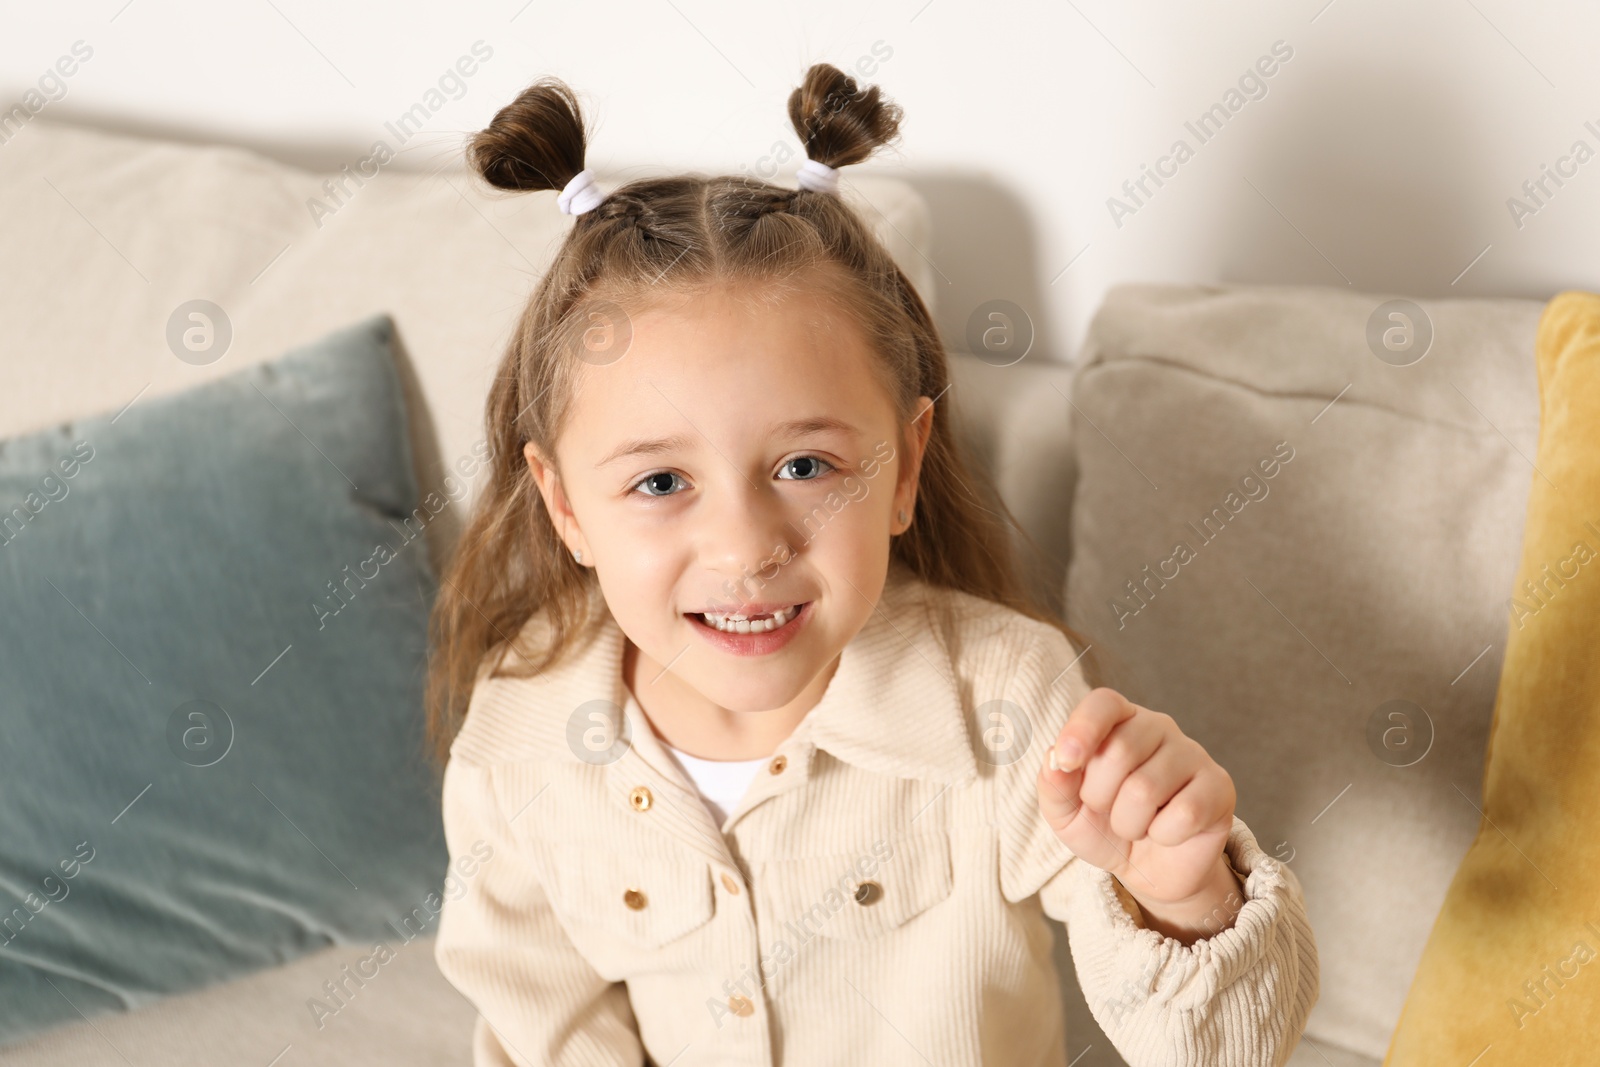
{"points": [[756, 752]]}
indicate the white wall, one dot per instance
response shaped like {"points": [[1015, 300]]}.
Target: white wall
{"points": [[1381, 157]]}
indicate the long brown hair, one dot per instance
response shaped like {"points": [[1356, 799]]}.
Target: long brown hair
{"points": [[664, 235]]}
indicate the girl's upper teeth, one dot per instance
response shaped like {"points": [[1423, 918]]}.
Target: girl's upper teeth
{"points": [[744, 624]]}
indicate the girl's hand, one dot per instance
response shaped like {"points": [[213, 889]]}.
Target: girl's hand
{"points": [[1137, 798]]}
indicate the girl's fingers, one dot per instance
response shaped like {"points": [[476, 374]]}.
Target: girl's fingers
{"points": [[1205, 803], [1080, 828], [1129, 744], [1058, 796], [1153, 783], [1096, 715]]}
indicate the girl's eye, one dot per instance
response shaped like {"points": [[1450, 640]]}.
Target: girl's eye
{"points": [[811, 466], [655, 482]]}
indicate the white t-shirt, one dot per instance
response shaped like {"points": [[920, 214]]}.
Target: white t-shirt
{"points": [[721, 783]]}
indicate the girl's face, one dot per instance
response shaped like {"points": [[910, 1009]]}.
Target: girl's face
{"points": [[739, 456]]}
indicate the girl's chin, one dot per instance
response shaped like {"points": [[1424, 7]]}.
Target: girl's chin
{"points": [[752, 688]]}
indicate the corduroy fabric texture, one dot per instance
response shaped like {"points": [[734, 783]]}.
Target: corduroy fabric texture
{"points": [[614, 922], [1509, 965]]}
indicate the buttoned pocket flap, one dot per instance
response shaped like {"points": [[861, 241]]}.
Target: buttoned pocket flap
{"points": [[865, 893], [644, 900]]}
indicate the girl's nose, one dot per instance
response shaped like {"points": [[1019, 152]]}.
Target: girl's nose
{"points": [[745, 531]]}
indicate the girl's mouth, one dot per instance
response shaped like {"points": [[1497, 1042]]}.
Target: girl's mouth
{"points": [[734, 623], [751, 634]]}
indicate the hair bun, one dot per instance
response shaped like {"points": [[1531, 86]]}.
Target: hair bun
{"points": [[838, 122], [535, 142]]}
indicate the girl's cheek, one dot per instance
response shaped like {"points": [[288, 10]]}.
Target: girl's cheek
{"points": [[850, 544]]}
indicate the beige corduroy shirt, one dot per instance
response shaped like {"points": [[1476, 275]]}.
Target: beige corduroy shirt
{"points": [[878, 897]]}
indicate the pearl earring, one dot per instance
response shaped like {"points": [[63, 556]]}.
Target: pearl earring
{"points": [[577, 554], [902, 514]]}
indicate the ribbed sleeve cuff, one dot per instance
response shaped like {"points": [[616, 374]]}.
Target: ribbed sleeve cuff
{"points": [[1239, 998]]}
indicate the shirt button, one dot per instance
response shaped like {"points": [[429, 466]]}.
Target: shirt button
{"points": [[640, 798], [729, 884], [868, 893], [740, 1005], [634, 899], [778, 764]]}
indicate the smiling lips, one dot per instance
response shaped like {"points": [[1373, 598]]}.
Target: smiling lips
{"points": [[756, 630], [749, 622]]}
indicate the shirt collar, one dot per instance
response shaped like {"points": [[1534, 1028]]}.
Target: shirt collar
{"points": [[893, 705]]}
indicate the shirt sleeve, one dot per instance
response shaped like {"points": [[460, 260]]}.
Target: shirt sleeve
{"points": [[539, 1000], [1239, 998]]}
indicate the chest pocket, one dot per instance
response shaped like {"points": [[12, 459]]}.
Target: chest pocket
{"points": [[862, 894], [607, 897]]}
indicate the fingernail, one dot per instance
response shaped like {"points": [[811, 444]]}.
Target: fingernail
{"points": [[1069, 755]]}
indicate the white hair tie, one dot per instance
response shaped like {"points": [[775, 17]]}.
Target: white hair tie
{"points": [[580, 195], [818, 177]]}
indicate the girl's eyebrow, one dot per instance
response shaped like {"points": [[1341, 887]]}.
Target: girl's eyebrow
{"points": [[645, 446], [814, 425], [655, 446]]}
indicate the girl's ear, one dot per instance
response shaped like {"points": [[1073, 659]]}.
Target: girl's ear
{"points": [[548, 480], [917, 434]]}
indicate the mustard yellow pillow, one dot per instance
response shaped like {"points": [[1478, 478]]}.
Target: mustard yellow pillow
{"points": [[1510, 973]]}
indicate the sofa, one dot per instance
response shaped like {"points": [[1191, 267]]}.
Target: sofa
{"points": [[1332, 632]]}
